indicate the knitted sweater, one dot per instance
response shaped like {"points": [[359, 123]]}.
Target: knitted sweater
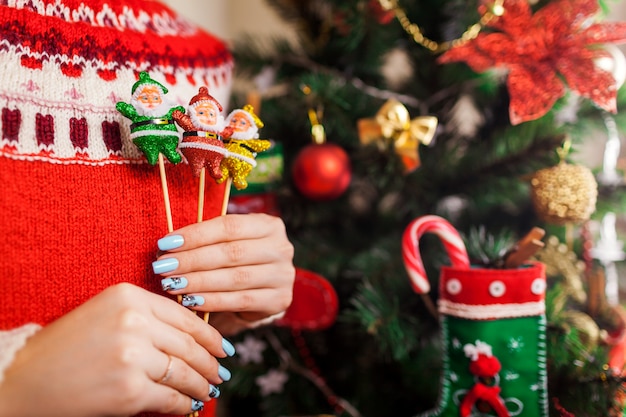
{"points": [[80, 207]]}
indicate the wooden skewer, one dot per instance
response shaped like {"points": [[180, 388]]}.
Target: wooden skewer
{"points": [[201, 185], [525, 248], [229, 181], [201, 194], [166, 200], [166, 195], [222, 213]]}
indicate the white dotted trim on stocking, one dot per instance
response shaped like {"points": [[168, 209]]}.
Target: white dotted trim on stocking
{"points": [[538, 286], [497, 288], [491, 311], [454, 286]]}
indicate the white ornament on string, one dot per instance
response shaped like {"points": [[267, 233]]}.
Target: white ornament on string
{"points": [[464, 118], [250, 350], [397, 68], [272, 382]]}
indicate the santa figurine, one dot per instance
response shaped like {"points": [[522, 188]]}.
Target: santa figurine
{"points": [[152, 130], [242, 144], [202, 142]]}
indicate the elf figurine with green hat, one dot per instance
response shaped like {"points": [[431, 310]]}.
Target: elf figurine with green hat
{"points": [[153, 129]]}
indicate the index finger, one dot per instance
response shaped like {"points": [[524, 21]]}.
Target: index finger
{"points": [[227, 228]]}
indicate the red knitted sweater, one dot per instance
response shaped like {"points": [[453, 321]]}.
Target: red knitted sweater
{"points": [[80, 208]]}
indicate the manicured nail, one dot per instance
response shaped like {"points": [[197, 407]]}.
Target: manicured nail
{"points": [[223, 373], [170, 242], [228, 347], [192, 300], [165, 265], [174, 283], [196, 405], [214, 392]]}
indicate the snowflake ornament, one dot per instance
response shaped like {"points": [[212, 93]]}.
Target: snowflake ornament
{"points": [[250, 350], [456, 343], [515, 344], [272, 382], [557, 45]]}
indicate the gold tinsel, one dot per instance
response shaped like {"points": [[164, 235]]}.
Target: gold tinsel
{"points": [[595, 321], [564, 194], [562, 262]]}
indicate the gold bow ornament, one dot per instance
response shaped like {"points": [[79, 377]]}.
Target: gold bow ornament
{"points": [[394, 124]]}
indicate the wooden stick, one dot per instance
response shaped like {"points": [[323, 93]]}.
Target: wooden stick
{"points": [[223, 212], [201, 194], [229, 181], [525, 248], [166, 199], [166, 195]]}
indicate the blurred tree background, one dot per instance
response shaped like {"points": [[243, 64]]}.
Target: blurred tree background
{"points": [[484, 120]]}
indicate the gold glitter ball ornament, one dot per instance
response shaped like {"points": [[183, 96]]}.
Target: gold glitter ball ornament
{"points": [[564, 194]]}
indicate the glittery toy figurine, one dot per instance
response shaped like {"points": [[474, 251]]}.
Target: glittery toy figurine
{"points": [[242, 146], [152, 130], [202, 142]]}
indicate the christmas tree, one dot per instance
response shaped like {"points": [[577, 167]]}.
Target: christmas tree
{"points": [[385, 111]]}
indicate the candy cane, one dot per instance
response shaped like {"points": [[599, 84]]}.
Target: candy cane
{"points": [[450, 238]]}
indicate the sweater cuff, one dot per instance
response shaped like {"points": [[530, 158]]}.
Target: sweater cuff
{"points": [[11, 341]]}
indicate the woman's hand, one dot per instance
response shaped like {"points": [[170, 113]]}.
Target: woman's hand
{"points": [[124, 351], [240, 263]]}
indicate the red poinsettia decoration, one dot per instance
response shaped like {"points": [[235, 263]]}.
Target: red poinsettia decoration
{"points": [[542, 51]]}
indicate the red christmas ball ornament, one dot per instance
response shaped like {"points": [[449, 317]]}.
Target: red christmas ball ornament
{"points": [[322, 172]]}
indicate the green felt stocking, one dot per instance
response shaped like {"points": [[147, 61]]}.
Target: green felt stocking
{"points": [[493, 331]]}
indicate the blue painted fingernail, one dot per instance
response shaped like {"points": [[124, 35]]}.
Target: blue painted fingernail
{"points": [[170, 242], [228, 347], [174, 283], [192, 300], [223, 373], [214, 391], [165, 265], [196, 405]]}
